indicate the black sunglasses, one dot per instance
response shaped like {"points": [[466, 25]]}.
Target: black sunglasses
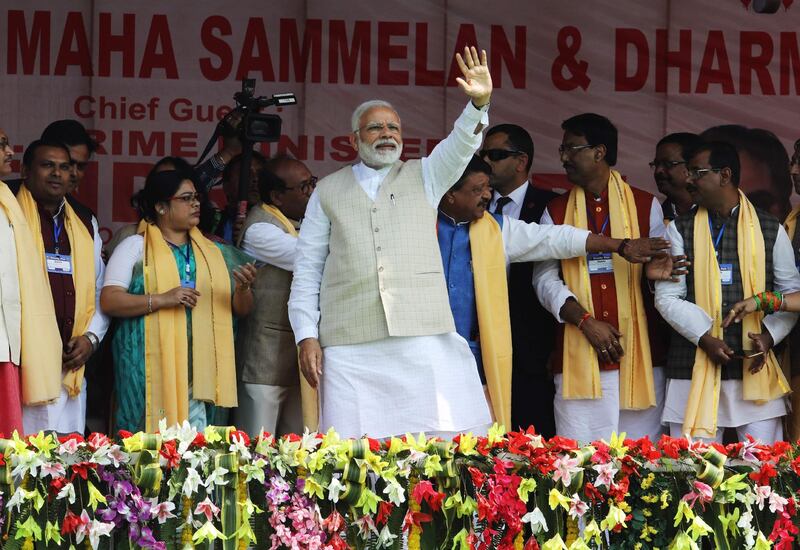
{"points": [[498, 154]]}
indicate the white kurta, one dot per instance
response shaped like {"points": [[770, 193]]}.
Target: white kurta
{"points": [[394, 385], [10, 310], [67, 414], [590, 419], [691, 322]]}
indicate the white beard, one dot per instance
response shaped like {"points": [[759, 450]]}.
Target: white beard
{"points": [[376, 158]]}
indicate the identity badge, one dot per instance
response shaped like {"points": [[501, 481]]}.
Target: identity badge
{"points": [[599, 263], [58, 263], [726, 274]]}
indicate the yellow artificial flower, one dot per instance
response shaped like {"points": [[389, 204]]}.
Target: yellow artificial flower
{"points": [[557, 499], [648, 481]]}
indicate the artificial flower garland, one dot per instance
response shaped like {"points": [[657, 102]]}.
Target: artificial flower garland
{"points": [[220, 488]]}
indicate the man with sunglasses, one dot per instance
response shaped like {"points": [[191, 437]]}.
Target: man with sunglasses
{"points": [[266, 355], [671, 174], [509, 149], [605, 347], [725, 377]]}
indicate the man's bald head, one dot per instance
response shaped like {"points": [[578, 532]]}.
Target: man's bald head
{"points": [[286, 183]]}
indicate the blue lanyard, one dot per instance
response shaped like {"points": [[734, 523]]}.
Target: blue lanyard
{"points": [[719, 236], [57, 228], [602, 229], [187, 260]]}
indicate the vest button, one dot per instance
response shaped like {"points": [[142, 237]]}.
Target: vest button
{"points": [[380, 269], [604, 286], [382, 289], [598, 209], [374, 209], [378, 249], [605, 314], [377, 229]]}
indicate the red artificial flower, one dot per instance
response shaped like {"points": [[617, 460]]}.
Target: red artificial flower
{"points": [[199, 440], [783, 532], [775, 453], [532, 544], [647, 450], [64, 438], [416, 519], [242, 435], [334, 522], [294, 438], [374, 445], [796, 465], [560, 444], [478, 477], [71, 523], [592, 493], [519, 442], [763, 476], [170, 454], [82, 469], [384, 511], [124, 434], [734, 450], [603, 453], [672, 446], [56, 485], [338, 542], [424, 492], [619, 490], [2, 460]]}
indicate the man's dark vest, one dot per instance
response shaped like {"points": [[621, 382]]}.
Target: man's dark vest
{"points": [[682, 352]]}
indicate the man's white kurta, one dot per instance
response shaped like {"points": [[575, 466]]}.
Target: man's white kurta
{"points": [[397, 384]]}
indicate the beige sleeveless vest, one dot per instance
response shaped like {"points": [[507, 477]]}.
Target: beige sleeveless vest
{"points": [[383, 275], [265, 348]]}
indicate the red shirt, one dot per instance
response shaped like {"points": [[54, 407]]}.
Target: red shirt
{"points": [[604, 291], [61, 286]]}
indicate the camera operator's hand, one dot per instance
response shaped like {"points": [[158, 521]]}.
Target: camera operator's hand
{"points": [[231, 145]]}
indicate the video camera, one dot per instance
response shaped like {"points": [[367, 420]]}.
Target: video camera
{"points": [[256, 127]]}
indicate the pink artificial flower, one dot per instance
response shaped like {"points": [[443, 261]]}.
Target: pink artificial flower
{"points": [[208, 508], [605, 474], [565, 467], [577, 507], [163, 511]]}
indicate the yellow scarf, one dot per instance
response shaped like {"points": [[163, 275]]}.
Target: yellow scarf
{"points": [[494, 322], [308, 395], [40, 354], [791, 222], [769, 383], [285, 222], [166, 343], [81, 244], [580, 365], [793, 419]]}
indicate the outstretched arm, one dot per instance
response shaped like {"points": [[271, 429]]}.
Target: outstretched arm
{"points": [[448, 159]]}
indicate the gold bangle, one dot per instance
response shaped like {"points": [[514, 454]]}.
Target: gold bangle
{"points": [[149, 304]]}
